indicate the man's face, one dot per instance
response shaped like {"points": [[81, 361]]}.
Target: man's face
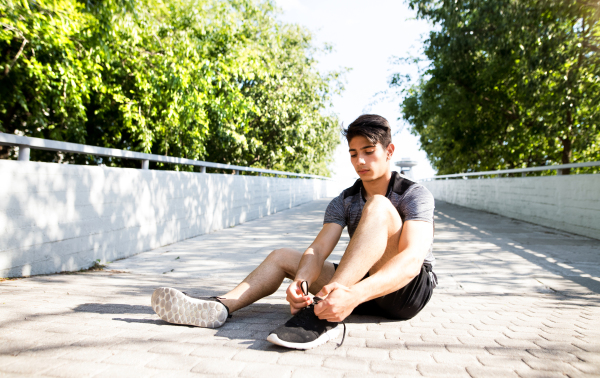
{"points": [[370, 161]]}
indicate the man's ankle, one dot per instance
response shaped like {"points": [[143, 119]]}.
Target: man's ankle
{"points": [[231, 304]]}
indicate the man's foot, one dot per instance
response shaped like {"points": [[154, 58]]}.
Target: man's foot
{"points": [[173, 306], [305, 330]]}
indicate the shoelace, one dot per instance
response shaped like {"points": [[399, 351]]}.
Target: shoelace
{"points": [[316, 300]]}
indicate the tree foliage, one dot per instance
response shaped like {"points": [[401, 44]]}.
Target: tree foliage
{"points": [[509, 84], [213, 80]]}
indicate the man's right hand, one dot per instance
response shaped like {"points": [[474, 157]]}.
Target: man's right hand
{"points": [[296, 297]]}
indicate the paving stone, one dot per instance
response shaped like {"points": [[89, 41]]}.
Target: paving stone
{"points": [[371, 354], [30, 367], [100, 342], [539, 374], [425, 346], [588, 356], [328, 349], [264, 370], [399, 368], [488, 372], [439, 339], [588, 347], [456, 359], [390, 344], [371, 374], [129, 358], [173, 362], [172, 348], [513, 363], [587, 368], [354, 341], [131, 372], [5, 360], [411, 356], [76, 369], [519, 344], [93, 354], [367, 334], [185, 374], [214, 351], [549, 365], [554, 345], [342, 363], [250, 355], [450, 332], [417, 338], [553, 354], [300, 359], [317, 372], [218, 367], [439, 370]]}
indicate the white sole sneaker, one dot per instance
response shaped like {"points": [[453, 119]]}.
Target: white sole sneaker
{"points": [[175, 307], [332, 334]]}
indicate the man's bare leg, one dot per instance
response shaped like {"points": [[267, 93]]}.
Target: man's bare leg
{"points": [[268, 276], [374, 242]]}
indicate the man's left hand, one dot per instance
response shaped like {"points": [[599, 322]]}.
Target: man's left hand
{"points": [[338, 302]]}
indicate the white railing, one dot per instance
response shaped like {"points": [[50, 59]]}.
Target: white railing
{"points": [[25, 144], [523, 171]]}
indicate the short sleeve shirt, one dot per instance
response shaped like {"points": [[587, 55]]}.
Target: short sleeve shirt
{"points": [[412, 200]]}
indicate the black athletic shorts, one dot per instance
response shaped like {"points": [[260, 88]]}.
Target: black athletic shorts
{"points": [[404, 303]]}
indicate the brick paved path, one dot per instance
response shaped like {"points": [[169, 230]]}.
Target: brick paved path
{"points": [[515, 300]]}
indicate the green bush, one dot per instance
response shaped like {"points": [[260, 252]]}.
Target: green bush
{"points": [[219, 81]]}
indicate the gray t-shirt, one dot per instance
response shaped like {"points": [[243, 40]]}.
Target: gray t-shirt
{"points": [[412, 200]]}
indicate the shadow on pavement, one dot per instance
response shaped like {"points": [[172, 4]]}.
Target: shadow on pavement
{"points": [[112, 308]]}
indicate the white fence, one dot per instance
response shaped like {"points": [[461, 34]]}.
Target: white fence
{"points": [[57, 217], [570, 203]]}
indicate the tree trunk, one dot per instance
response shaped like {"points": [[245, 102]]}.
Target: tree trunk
{"points": [[566, 155]]}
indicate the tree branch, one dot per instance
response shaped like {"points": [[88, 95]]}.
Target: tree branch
{"points": [[9, 67]]}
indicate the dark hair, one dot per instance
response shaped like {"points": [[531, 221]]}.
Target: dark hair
{"points": [[373, 127]]}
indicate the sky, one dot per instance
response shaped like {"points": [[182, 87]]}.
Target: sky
{"points": [[365, 35]]}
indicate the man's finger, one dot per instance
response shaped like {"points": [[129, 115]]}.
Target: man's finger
{"points": [[326, 290]]}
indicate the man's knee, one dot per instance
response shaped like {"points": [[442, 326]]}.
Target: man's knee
{"points": [[287, 259], [380, 205]]}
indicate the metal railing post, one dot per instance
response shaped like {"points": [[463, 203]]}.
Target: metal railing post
{"points": [[24, 153], [145, 164], [203, 170]]}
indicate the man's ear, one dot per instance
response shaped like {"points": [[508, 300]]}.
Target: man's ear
{"points": [[390, 151]]}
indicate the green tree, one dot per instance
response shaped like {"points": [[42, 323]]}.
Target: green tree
{"points": [[509, 84], [212, 80]]}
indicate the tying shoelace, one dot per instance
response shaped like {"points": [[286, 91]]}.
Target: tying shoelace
{"points": [[316, 300]]}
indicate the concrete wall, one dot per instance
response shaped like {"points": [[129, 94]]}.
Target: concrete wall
{"points": [[570, 203], [56, 217]]}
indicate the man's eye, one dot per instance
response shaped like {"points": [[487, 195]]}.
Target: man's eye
{"points": [[353, 155], [370, 152]]}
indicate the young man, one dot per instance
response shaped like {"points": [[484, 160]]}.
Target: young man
{"points": [[385, 271]]}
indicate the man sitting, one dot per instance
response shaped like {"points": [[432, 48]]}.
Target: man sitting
{"points": [[385, 271]]}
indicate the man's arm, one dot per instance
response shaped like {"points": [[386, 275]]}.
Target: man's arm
{"points": [[415, 240], [311, 263]]}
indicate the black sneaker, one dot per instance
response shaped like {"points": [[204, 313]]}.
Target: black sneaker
{"points": [[305, 330], [176, 307]]}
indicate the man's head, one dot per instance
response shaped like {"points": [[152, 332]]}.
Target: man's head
{"points": [[370, 140], [371, 126]]}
